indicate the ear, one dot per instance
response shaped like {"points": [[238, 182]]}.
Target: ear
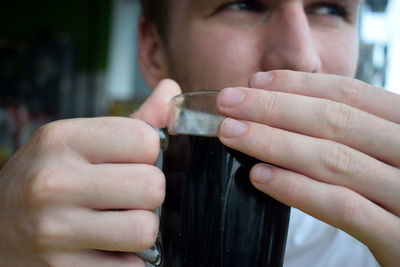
{"points": [[152, 55]]}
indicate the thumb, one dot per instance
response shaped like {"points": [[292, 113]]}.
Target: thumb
{"points": [[155, 109]]}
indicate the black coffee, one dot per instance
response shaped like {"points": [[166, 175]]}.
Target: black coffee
{"points": [[212, 214]]}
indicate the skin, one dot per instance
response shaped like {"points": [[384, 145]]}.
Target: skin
{"points": [[224, 39], [274, 61], [81, 189]]}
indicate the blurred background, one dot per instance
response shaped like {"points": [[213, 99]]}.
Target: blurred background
{"points": [[64, 59]]}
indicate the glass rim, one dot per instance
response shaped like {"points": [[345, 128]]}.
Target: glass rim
{"points": [[202, 92]]}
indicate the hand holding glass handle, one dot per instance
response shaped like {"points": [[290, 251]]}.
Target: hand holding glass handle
{"points": [[189, 113]]}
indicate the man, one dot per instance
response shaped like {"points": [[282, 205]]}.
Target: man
{"points": [[82, 188]]}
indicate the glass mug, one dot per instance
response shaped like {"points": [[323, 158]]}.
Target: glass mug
{"points": [[212, 215]]}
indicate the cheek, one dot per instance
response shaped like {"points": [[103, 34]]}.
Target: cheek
{"points": [[339, 56], [214, 59]]}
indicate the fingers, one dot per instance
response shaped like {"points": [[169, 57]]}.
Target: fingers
{"points": [[320, 159], [100, 187], [85, 185], [345, 90], [126, 186], [93, 258], [155, 109], [81, 229], [315, 117], [101, 140], [335, 205], [337, 142], [129, 230]]}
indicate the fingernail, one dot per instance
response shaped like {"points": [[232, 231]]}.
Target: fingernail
{"points": [[231, 128], [261, 80], [261, 173], [230, 97]]}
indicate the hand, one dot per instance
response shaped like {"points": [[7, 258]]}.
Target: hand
{"points": [[82, 189], [335, 144]]}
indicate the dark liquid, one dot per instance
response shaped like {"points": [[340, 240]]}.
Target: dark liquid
{"points": [[212, 215]]}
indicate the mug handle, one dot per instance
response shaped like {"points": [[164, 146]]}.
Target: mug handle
{"points": [[153, 255], [207, 125]]}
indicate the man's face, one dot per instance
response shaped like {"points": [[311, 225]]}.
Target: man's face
{"points": [[220, 43]]}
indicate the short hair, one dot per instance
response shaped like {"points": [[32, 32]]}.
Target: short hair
{"points": [[156, 11]]}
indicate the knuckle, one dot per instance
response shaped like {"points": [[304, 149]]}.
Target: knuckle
{"points": [[337, 118], [273, 142], [51, 134], [295, 192], [273, 103], [282, 74], [351, 91], [46, 185], [292, 79], [346, 207], [48, 232], [337, 159]]}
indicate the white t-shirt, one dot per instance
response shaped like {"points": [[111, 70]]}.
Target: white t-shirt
{"points": [[313, 243]]}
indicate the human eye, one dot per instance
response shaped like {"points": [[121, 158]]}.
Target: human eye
{"points": [[248, 6], [241, 13], [327, 9]]}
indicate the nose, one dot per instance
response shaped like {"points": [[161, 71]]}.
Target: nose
{"points": [[290, 44]]}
